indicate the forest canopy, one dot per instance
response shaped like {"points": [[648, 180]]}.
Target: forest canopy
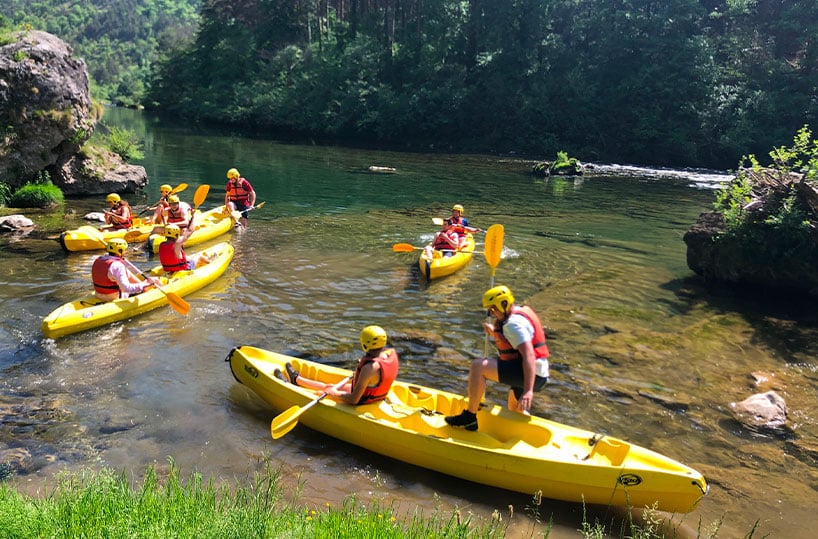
{"points": [[660, 82]]}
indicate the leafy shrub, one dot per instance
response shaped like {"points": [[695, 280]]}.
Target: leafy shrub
{"points": [[5, 192], [40, 194], [125, 143]]}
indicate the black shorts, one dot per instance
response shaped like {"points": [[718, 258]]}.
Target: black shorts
{"points": [[511, 373]]}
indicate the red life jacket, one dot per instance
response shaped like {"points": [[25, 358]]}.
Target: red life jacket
{"points": [[120, 209], [179, 216], [99, 275], [239, 193], [508, 352], [167, 256], [388, 360], [441, 243], [459, 224]]}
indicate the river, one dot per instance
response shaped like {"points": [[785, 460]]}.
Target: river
{"points": [[640, 348]]}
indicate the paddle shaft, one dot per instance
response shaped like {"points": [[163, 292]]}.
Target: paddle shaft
{"points": [[494, 248], [286, 420], [398, 248], [178, 189], [179, 305]]}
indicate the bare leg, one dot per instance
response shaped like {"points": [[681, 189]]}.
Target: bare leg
{"points": [[481, 370]]}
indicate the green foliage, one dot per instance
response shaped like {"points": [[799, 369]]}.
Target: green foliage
{"points": [[732, 199], [5, 193], [105, 504], [39, 194], [663, 82], [781, 231], [124, 142], [119, 40], [565, 165]]}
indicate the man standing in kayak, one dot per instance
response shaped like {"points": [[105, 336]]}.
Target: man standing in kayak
{"points": [[112, 279], [523, 357], [373, 376], [239, 195]]}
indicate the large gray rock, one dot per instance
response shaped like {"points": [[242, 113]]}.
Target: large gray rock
{"points": [[46, 116]]}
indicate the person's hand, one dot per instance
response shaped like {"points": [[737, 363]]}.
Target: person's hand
{"points": [[488, 327], [524, 404]]}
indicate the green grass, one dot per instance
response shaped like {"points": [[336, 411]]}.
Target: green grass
{"points": [[105, 504]]}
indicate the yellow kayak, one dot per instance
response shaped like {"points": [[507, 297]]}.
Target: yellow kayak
{"points": [[525, 454], [91, 238], [210, 224], [439, 265], [89, 312]]}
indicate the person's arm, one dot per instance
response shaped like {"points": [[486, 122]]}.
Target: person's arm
{"points": [[370, 375], [119, 273], [520, 333], [529, 372], [252, 197]]}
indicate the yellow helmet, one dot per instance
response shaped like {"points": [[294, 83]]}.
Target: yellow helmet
{"points": [[117, 246], [372, 338], [165, 189], [500, 297], [172, 231], [173, 199], [113, 197], [232, 173], [458, 207]]}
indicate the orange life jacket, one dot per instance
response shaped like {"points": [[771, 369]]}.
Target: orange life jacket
{"points": [[459, 224], [167, 256], [99, 275], [119, 209], [239, 193], [180, 216], [388, 361], [508, 352]]}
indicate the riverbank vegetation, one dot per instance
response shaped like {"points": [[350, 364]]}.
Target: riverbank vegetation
{"points": [[660, 82], [106, 504]]}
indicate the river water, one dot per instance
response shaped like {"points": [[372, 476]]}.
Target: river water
{"points": [[640, 348]]}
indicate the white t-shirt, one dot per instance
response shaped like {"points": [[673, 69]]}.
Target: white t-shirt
{"points": [[518, 330]]}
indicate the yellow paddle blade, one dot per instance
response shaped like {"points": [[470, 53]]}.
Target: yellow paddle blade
{"points": [[285, 422], [404, 248], [494, 245], [437, 220], [179, 305], [136, 236], [95, 235], [260, 204], [179, 188], [200, 195]]}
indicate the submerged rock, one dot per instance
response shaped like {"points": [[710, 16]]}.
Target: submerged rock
{"points": [[762, 412]]}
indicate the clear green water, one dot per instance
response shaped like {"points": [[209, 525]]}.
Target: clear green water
{"points": [[640, 349]]}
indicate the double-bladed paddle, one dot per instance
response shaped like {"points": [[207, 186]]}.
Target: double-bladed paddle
{"points": [[439, 222], [288, 419], [408, 248], [137, 236]]}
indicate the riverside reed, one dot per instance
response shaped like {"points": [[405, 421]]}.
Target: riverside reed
{"points": [[104, 504]]}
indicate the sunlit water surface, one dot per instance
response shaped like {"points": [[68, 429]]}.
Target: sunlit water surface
{"points": [[640, 349]]}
